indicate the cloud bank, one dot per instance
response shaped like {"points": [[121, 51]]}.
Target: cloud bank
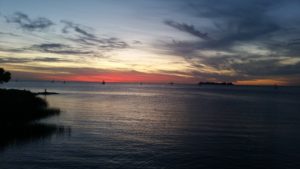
{"points": [[247, 39]]}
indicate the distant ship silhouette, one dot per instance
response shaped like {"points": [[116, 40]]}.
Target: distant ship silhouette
{"points": [[103, 82]]}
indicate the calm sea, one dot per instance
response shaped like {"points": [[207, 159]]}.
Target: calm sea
{"points": [[163, 127]]}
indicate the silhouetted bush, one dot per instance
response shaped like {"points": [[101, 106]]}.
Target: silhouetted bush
{"points": [[4, 76], [20, 106]]}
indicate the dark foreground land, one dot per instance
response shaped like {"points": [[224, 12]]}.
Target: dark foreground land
{"points": [[19, 112], [20, 107]]}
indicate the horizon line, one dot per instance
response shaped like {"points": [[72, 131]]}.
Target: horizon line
{"points": [[150, 83]]}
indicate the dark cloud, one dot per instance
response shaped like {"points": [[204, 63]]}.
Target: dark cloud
{"points": [[246, 68], [190, 29], [237, 22], [112, 43], [27, 23], [81, 37], [294, 42], [37, 59], [50, 59], [137, 42], [57, 48], [13, 60], [83, 31], [87, 38], [49, 48], [265, 24], [271, 67], [101, 43]]}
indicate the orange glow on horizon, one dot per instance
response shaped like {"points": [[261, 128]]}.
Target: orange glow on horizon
{"points": [[138, 77], [125, 77], [261, 82]]}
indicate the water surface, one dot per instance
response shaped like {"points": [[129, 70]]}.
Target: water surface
{"points": [[163, 126]]}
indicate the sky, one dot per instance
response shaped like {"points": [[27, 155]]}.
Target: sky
{"points": [[249, 42]]}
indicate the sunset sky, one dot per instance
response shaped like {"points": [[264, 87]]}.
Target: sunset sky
{"points": [[241, 41]]}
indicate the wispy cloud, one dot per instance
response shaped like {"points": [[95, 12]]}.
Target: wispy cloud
{"points": [[294, 42], [81, 30], [9, 34], [85, 36], [13, 50], [11, 60], [27, 23], [190, 29], [77, 39], [57, 48], [50, 59]]}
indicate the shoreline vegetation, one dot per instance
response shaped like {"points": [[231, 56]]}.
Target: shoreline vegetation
{"points": [[19, 115], [19, 107], [20, 111]]}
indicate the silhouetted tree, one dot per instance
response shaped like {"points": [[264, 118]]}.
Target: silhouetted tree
{"points": [[4, 76]]}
